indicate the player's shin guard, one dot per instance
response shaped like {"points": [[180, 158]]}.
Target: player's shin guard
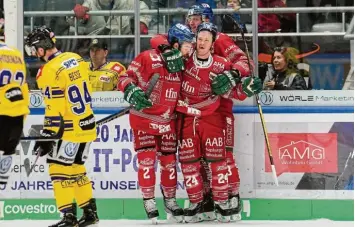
{"points": [[219, 186], [234, 182], [168, 175], [82, 185], [208, 204], [83, 196], [63, 186], [168, 182], [194, 188], [233, 175], [146, 180], [6, 163]]}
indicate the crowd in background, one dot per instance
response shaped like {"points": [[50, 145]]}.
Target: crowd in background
{"points": [[123, 50]]}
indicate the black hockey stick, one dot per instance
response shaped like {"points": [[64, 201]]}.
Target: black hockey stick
{"points": [[152, 82], [27, 163], [260, 110], [49, 138]]}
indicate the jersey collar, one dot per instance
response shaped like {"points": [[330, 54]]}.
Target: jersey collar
{"points": [[54, 55], [100, 67]]}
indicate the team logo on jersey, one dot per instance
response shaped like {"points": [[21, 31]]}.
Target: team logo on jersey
{"points": [[117, 68], [70, 63], [218, 66], [5, 164], [70, 149], [104, 79], [155, 57], [193, 72], [157, 65]]}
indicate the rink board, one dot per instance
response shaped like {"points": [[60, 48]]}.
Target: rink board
{"points": [[315, 179]]}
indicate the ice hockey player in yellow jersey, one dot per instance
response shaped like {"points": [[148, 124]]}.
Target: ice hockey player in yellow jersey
{"points": [[65, 85], [103, 74], [14, 101]]}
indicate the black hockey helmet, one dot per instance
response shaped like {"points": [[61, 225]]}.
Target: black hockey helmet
{"points": [[41, 37]]}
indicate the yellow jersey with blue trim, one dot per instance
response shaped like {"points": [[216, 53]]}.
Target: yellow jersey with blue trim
{"points": [[14, 93], [66, 89], [105, 78]]}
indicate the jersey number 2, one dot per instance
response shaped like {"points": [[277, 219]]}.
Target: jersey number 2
{"points": [[79, 100]]}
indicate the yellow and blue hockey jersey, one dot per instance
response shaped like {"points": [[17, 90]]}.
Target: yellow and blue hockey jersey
{"points": [[66, 88], [105, 78], [14, 94]]}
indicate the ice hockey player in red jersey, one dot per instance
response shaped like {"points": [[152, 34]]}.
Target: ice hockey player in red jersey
{"points": [[153, 118], [202, 136], [225, 47]]}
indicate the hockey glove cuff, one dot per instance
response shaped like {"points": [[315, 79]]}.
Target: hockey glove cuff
{"points": [[173, 60], [45, 147], [252, 86], [136, 96], [184, 108], [224, 82]]}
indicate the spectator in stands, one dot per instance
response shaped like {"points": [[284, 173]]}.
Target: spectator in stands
{"points": [[103, 74], [285, 75], [275, 22], [110, 24]]}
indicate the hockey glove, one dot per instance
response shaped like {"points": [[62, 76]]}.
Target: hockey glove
{"points": [[224, 82], [173, 60], [252, 86], [45, 147], [136, 96]]}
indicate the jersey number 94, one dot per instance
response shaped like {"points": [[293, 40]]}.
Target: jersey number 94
{"points": [[78, 98]]}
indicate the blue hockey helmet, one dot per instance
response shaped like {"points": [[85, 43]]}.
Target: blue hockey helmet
{"points": [[204, 10], [180, 33], [207, 12]]}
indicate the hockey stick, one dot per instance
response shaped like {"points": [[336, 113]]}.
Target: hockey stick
{"points": [[260, 111], [26, 162], [153, 81], [49, 138]]}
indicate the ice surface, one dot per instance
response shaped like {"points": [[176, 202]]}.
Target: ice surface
{"points": [[121, 223]]}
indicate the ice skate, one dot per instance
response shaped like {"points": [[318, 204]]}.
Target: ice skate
{"points": [[89, 217], [173, 211], [194, 213], [208, 208], [222, 211], [235, 208], [68, 220], [151, 209]]}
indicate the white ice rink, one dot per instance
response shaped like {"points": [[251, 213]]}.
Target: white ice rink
{"points": [[124, 223]]}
